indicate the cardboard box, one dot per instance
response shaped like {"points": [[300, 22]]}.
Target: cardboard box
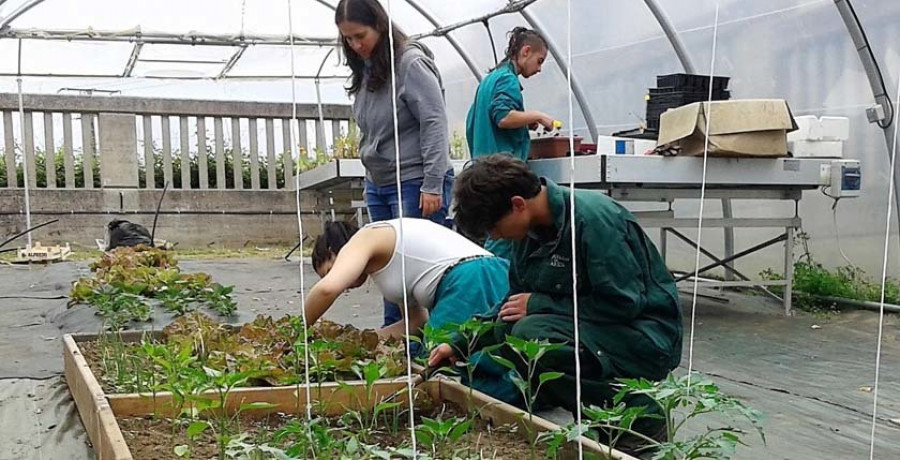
{"points": [[738, 128]]}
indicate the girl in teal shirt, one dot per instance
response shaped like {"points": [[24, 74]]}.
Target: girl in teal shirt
{"points": [[497, 121]]}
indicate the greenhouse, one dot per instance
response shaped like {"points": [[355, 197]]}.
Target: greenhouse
{"points": [[421, 229]]}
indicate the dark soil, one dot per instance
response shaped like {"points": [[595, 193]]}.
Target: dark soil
{"points": [[156, 438]]}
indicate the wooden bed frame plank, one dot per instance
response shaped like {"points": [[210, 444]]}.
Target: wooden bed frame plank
{"points": [[99, 411]]}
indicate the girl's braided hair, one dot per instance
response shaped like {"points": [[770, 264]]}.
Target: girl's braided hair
{"points": [[519, 37]]}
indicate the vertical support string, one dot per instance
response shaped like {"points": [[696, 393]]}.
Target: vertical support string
{"points": [[401, 240], [578, 414], [712, 72], [24, 155], [296, 154], [887, 237]]}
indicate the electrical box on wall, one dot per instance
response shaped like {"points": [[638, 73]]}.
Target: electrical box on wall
{"points": [[845, 179]]}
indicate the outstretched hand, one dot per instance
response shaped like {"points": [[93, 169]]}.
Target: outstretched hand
{"points": [[442, 353]]}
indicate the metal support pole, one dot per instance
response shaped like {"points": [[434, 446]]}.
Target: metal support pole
{"points": [[788, 269], [728, 213], [559, 57], [24, 156], [875, 81], [663, 243], [470, 63], [320, 126], [22, 9], [680, 50]]}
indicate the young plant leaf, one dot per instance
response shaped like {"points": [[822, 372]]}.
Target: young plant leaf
{"points": [[549, 377], [194, 430], [460, 429], [504, 362], [257, 406]]}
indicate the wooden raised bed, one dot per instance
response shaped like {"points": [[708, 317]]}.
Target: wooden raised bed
{"points": [[98, 410]]}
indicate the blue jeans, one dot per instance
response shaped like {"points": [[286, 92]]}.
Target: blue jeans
{"points": [[382, 204]]}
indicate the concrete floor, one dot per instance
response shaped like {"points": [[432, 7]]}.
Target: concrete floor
{"points": [[812, 383]]}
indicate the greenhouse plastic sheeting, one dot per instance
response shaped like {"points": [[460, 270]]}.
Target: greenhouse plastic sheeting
{"points": [[798, 50]]}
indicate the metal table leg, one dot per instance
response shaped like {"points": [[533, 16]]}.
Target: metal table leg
{"points": [[663, 246], [727, 213], [788, 269]]}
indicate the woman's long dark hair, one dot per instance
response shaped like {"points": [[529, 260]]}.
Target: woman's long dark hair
{"points": [[330, 242], [369, 13]]}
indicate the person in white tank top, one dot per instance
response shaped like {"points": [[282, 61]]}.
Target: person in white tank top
{"points": [[449, 279]]}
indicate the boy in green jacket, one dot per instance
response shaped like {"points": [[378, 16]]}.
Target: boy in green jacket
{"points": [[629, 310]]}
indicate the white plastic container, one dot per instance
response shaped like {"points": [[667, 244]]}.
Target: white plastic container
{"points": [[816, 149], [812, 128]]}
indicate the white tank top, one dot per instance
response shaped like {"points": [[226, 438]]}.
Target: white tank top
{"points": [[429, 249]]}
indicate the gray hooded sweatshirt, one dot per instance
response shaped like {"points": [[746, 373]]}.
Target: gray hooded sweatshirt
{"points": [[422, 124]]}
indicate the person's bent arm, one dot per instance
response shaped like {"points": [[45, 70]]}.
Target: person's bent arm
{"points": [[349, 265], [507, 107], [518, 119], [417, 320]]}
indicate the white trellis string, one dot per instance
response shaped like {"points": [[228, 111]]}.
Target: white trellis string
{"points": [[572, 225], [296, 154], [712, 72], [243, 15], [24, 155], [401, 241], [887, 237]]}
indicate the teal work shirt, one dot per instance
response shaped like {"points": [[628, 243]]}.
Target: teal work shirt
{"points": [[499, 93]]}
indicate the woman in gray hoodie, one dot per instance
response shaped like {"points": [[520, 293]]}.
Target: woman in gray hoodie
{"points": [[426, 174]]}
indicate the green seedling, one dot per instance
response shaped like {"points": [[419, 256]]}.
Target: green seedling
{"points": [[174, 301], [217, 417], [556, 440], [118, 305], [176, 367], [442, 435], [370, 410], [678, 400], [323, 364], [124, 367], [468, 333], [125, 281], [239, 448], [308, 440], [148, 351], [317, 440], [614, 422], [529, 353], [220, 299]]}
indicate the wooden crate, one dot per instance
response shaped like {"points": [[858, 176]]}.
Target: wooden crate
{"points": [[98, 410]]}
